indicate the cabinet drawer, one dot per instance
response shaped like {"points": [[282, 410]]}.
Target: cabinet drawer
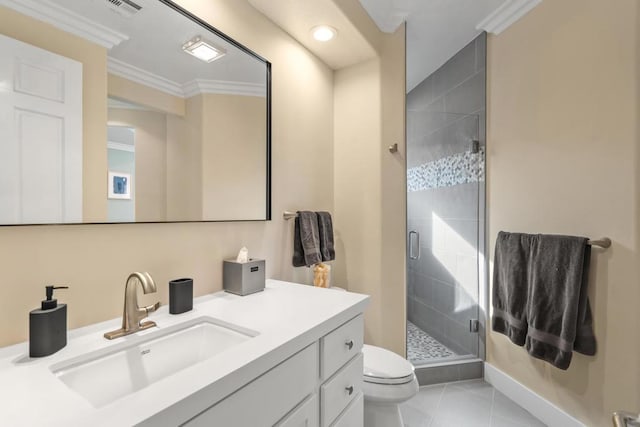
{"points": [[353, 416], [305, 415], [340, 390], [269, 397], [340, 345]]}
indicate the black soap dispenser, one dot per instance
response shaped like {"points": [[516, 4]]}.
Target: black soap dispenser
{"points": [[48, 326]]}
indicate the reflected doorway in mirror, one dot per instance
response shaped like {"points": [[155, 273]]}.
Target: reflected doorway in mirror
{"points": [[119, 185]]}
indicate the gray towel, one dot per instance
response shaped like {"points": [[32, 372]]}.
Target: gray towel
{"points": [[325, 228], [540, 295], [306, 240], [511, 285]]}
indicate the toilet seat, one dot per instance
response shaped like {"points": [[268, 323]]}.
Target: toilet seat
{"points": [[388, 380], [382, 366], [389, 394]]}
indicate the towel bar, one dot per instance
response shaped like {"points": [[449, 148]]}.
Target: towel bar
{"points": [[289, 215], [604, 242]]}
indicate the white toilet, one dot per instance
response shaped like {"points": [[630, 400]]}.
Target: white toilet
{"points": [[388, 381]]}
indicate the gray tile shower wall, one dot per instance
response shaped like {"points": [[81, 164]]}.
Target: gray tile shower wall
{"points": [[445, 113]]}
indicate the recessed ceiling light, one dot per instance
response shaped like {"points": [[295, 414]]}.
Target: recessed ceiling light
{"points": [[323, 33], [203, 50]]}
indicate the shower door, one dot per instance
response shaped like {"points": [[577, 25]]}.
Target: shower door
{"points": [[445, 186]]}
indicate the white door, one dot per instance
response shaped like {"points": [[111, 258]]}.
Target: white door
{"points": [[40, 135]]}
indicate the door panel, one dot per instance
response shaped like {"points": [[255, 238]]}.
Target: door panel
{"points": [[40, 135], [39, 81], [444, 177], [41, 141]]}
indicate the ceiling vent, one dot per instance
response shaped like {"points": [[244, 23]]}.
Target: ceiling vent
{"points": [[126, 8]]}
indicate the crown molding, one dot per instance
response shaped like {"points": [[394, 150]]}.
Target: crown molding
{"points": [[67, 20], [138, 75], [198, 86], [504, 16], [187, 90]]}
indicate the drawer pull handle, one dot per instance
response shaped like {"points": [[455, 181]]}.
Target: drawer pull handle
{"points": [[349, 344], [349, 390]]}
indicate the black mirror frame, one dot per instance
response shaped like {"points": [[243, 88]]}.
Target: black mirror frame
{"points": [[233, 42]]}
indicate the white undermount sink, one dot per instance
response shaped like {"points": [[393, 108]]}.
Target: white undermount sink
{"points": [[106, 375]]}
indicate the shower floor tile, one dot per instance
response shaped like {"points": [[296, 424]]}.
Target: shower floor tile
{"points": [[423, 348]]}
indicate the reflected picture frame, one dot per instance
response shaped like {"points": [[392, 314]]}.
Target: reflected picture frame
{"points": [[119, 186]]}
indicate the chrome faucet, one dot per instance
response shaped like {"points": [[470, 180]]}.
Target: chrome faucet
{"points": [[133, 315]]}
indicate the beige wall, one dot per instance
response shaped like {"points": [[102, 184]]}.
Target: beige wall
{"points": [[370, 189], [184, 182], [356, 189], [393, 184], [94, 260], [215, 166], [184, 186], [94, 99], [234, 157], [563, 157], [125, 89], [150, 160]]}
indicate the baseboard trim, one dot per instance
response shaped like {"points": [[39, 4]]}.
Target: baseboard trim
{"points": [[538, 406]]}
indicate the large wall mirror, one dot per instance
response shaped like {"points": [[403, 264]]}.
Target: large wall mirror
{"points": [[128, 111]]}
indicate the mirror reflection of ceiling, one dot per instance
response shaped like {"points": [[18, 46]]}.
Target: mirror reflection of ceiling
{"points": [[121, 135], [173, 67]]}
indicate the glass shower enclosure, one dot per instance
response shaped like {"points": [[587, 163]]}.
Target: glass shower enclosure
{"points": [[444, 174], [446, 286]]}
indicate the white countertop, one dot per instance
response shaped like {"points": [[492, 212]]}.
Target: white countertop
{"points": [[287, 316]]}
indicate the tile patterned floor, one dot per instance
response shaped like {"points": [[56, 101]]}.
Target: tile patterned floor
{"points": [[464, 404], [423, 348]]}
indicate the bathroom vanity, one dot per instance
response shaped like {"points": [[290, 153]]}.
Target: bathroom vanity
{"points": [[288, 356]]}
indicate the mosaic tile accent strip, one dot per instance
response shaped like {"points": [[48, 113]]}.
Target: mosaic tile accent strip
{"points": [[422, 347], [461, 168]]}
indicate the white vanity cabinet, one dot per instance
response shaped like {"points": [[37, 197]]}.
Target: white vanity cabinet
{"points": [[266, 399], [306, 414], [299, 365], [321, 385], [341, 345], [341, 370]]}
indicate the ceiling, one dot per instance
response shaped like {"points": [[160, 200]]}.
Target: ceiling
{"points": [[297, 17], [436, 29]]}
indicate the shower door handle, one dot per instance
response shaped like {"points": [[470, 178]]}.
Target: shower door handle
{"points": [[411, 234]]}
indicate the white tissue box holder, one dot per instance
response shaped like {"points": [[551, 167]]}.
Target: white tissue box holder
{"points": [[243, 278]]}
